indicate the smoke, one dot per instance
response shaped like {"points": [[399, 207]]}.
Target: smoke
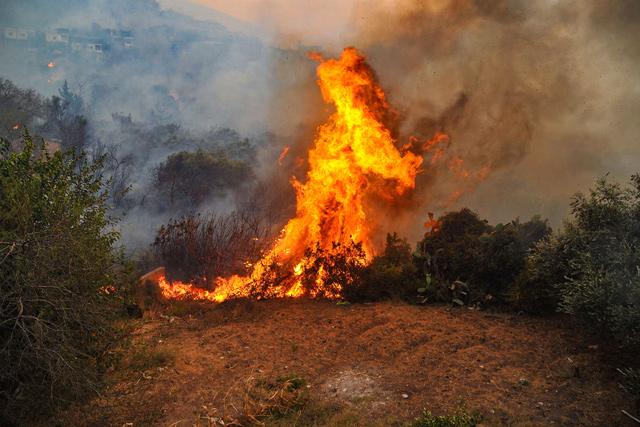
{"points": [[542, 96], [538, 98]]}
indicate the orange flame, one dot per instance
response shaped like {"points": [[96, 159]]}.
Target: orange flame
{"points": [[284, 153], [353, 156]]}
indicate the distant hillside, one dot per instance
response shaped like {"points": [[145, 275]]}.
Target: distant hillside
{"points": [[133, 57]]}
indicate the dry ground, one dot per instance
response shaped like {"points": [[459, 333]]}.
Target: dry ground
{"points": [[367, 364]]}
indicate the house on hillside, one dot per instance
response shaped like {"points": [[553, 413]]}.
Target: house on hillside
{"points": [[57, 36], [18, 34]]}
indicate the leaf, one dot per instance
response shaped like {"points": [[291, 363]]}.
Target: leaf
{"points": [[343, 303], [457, 301], [422, 290]]}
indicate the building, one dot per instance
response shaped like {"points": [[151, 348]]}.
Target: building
{"points": [[59, 35], [18, 34]]}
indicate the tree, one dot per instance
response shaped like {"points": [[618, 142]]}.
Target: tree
{"points": [[58, 277]]}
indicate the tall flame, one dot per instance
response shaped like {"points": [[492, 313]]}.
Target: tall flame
{"points": [[354, 155]]}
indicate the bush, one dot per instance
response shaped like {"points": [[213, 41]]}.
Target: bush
{"points": [[547, 264], [192, 177], [341, 268], [57, 290], [199, 248], [390, 275], [460, 418], [468, 260], [602, 287]]}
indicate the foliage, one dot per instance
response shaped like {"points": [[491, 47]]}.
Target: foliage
{"points": [[548, 263], [192, 177], [57, 295], [601, 280], [199, 248], [390, 275], [340, 268], [460, 418], [467, 260]]}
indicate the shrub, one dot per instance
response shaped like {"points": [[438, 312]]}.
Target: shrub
{"points": [[341, 268], [547, 264], [468, 260], [390, 275], [199, 248], [593, 263], [57, 280], [192, 177], [460, 418]]}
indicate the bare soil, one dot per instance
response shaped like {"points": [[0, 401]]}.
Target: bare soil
{"points": [[372, 364]]}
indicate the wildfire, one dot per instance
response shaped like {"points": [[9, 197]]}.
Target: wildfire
{"points": [[353, 156]]}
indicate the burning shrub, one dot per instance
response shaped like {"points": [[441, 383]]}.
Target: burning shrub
{"points": [[340, 269], [57, 291], [192, 177], [200, 248], [486, 259]]}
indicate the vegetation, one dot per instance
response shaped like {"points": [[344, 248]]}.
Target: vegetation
{"points": [[200, 248], [393, 274], [601, 285], [59, 270], [460, 418], [467, 259], [192, 177]]}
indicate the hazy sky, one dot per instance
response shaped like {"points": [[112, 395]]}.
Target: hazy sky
{"points": [[322, 22]]}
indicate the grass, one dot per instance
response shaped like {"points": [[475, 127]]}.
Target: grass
{"points": [[143, 358], [460, 418]]}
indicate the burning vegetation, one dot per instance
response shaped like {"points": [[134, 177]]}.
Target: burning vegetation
{"points": [[354, 157]]}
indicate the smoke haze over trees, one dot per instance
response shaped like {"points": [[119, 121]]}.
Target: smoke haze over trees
{"points": [[519, 87]]}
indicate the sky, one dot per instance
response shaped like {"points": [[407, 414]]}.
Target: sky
{"points": [[288, 22]]}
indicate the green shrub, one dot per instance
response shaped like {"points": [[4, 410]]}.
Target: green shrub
{"points": [[390, 275], [548, 263], [593, 263], [57, 294], [460, 418], [467, 260], [192, 177]]}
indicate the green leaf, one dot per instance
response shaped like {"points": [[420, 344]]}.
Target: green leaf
{"points": [[457, 301]]}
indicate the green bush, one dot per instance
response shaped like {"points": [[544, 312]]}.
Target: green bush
{"points": [[602, 285], [467, 260], [57, 293], [390, 275], [548, 263], [460, 418], [192, 177]]}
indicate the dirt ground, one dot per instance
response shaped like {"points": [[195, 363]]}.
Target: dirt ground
{"points": [[373, 364]]}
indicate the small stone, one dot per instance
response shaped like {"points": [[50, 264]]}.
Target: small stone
{"points": [[405, 396]]}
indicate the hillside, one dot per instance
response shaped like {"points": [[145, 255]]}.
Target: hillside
{"points": [[366, 364]]}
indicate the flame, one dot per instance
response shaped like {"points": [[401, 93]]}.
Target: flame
{"points": [[51, 64], [284, 153], [353, 156]]}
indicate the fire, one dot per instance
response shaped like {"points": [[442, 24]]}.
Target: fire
{"points": [[283, 154], [353, 156], [51, 64]]}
